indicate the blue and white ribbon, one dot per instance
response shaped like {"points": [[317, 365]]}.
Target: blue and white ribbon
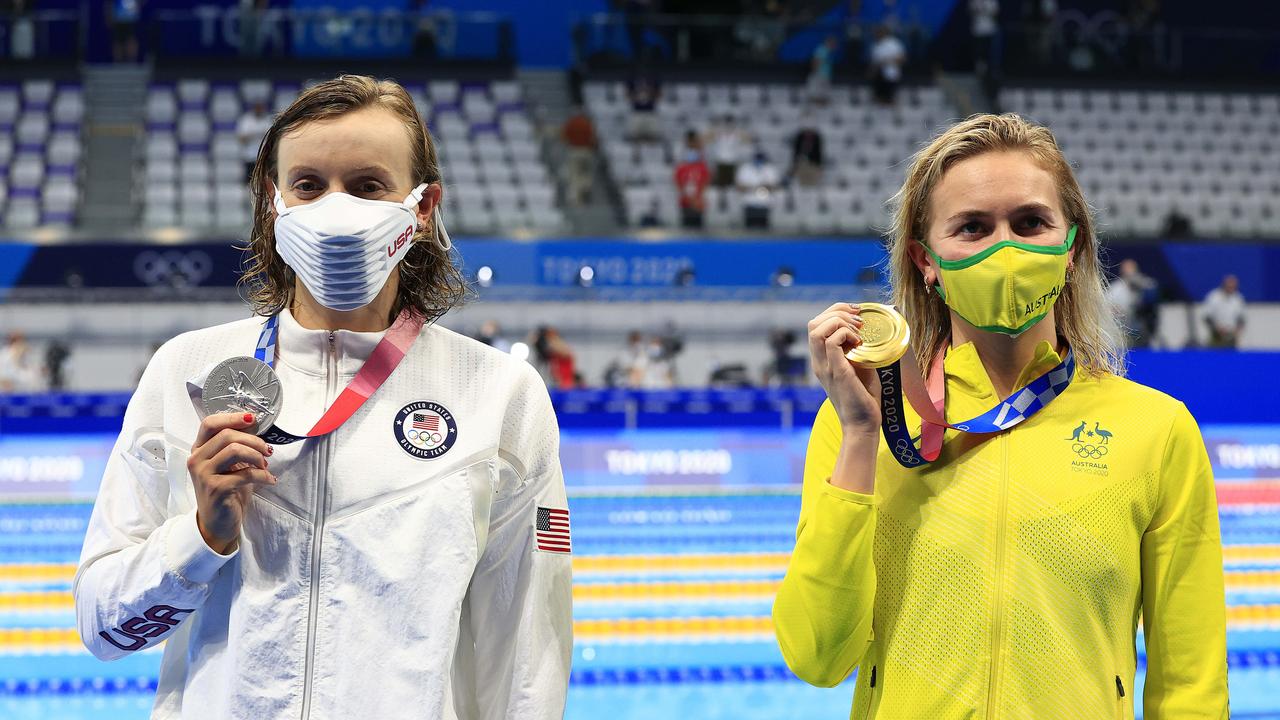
{"points": [[266, 349], [1008, 413]]}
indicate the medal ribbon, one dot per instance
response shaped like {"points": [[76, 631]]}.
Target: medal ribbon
{"points": [[931, 404], [384, 359]]}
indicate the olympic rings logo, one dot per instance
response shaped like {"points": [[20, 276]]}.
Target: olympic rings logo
{"points": [[905, 453], [1089, 451], [172, 268], [424, 438]]}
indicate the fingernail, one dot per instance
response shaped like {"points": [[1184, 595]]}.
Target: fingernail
{"points": [[266, 462], [270, 450], [248, 417]]}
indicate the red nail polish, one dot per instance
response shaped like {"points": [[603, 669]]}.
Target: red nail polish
{"points": [[248, 417], [270, 450]]}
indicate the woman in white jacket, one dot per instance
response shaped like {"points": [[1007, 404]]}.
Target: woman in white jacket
{"points": [[406, 557]]}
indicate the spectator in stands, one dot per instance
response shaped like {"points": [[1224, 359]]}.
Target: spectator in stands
{"points": [[1177, 225], [253, 32], [644, 92], [55, 360], [1041, 17], [627, 369], [763, 30], [786, 367], [579, 136], [983, 23], [491, 334], [728, 144], [554, 358], [22, 28], [19, 372], [757, 180], [824, 57], [651, 214], [806, 157], [1135, 299], [1224, 311], [122, 16], [637, 14], [658, 365], [888, 54], [1142, 50], [425, 33], [692, 178], [252, 126]]}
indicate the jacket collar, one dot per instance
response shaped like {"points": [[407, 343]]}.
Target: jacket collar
{"points": [[966, 375], [308, 350]]}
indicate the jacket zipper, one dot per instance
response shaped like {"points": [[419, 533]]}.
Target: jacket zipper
{"points": [[1121, 712], [871, 692], [322, 473], [997, 610]]}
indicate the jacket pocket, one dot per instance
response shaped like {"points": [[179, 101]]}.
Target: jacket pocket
{"points": [[482, 480]]}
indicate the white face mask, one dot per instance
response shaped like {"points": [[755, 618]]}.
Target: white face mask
{"points": [[344, 248]]}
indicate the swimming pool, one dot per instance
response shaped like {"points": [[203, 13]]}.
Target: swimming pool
{"points": [[672, 592]]}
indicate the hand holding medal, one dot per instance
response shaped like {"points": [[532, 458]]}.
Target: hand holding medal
{"points": [[226, 464], [885, 336], [854, 390]]}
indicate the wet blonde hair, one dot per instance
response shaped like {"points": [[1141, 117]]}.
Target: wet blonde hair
{"points": [[1081, 313], [430, 282]]}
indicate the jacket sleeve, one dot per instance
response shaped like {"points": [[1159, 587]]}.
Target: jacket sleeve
{"points": [[1183, 604], [822, 615], [141, 573], [518, 614]]}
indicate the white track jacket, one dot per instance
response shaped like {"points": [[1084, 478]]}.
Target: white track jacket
{"points": [[383, 577]]}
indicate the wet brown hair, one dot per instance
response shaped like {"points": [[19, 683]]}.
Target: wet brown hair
{"points": [[430, 282]]}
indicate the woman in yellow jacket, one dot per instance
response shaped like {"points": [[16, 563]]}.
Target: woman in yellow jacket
{"points": [[1006, 578]]}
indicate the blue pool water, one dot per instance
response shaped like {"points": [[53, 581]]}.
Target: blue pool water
{"points": [[642, 555]]}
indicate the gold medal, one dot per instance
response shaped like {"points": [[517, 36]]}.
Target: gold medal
{"points": [[885, 336]]}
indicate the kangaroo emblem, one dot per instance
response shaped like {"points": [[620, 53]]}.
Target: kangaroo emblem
{"points": [[1075, 434], [1104, 434]]}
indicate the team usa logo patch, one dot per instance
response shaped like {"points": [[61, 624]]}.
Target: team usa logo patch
{"points": [[552, 530], [425, 429]]}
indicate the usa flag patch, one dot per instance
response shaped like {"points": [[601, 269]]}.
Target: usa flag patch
{"points": [[552, 530]]}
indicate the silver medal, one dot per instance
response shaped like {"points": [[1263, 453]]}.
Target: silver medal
{"points": [[243, 384]]}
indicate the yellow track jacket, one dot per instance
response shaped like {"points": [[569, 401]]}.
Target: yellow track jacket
{"points": [[1006, 579]]}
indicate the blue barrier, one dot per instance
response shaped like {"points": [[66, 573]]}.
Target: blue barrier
{"points": [[633, 268], [1218, 386]]}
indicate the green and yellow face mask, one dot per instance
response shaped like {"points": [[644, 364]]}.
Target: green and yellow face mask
{"points": [[1007, 287]]}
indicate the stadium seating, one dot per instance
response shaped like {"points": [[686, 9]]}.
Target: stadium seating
{"points": [[1140, 155], [191, 171], [40, 142], [863, 143]]}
